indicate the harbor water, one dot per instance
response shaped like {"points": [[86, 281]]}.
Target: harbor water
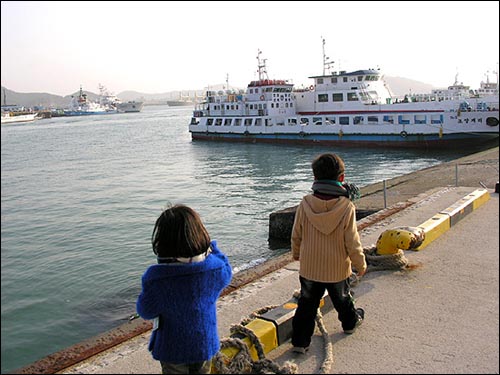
{"points": [[80, 197]]}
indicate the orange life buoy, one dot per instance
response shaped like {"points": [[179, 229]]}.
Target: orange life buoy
{"points": [[262, 97]]}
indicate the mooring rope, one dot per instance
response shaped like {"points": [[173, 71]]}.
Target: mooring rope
{"points": [[384, 262], [242, 362]]}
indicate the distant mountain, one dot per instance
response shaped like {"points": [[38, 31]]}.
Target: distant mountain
{"points": [[399, 86]]}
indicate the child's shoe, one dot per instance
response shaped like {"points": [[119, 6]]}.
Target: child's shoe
{"points": [[300, 349], [361, 315]]}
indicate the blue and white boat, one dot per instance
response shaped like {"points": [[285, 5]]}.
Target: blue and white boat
{"points": [[80, 105], [343, 109]]}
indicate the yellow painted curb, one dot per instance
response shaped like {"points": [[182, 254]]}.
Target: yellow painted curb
{"points": [[441, 222], [433, 228]]}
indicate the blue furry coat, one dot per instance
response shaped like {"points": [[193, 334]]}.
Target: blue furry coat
{"points": [[184, 296]]}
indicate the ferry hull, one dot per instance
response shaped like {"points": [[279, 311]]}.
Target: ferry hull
{"points": [[358, 140]]}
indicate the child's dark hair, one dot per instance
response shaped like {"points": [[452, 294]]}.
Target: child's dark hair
{"points": [[179, 232], [327, 166]]}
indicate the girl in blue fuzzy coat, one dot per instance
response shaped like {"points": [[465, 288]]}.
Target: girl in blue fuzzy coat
{"points": [[180, 292]]}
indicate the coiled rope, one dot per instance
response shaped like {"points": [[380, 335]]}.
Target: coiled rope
{"points": [[242, 362], [384, 262]]}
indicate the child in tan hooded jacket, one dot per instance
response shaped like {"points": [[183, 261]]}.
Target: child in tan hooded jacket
{"points": [[325, 240]]}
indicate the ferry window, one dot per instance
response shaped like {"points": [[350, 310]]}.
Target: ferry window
{"points": [[364, 96], [210, 121], [402, 119], [304, 121], [334, 80], [352, 97], [322, 98], [292, 121], [389, 119], [227, 122], [372, 119], [344, 79], [420, 119], [317, 121], [248, 121], [258, 122], [360, 78], [337, 97], [269, 123], [218, 122], [436, 119], [330, 120], [237, 122], [291, 105], [358, 120], [319, 81], [344, 120]]}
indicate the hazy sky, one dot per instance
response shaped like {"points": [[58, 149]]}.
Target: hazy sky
{"points": [[155, 47]]}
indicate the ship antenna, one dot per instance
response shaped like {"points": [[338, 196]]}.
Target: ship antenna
{"points": [[326, 64], [261, 64]]}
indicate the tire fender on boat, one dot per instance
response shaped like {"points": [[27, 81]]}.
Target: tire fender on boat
{"points": [[311, 87], [403, 134], [492, 121]]}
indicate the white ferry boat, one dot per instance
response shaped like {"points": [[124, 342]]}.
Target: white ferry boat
{"points": [[343, 109], [114, 104], [130, 106], [8, 118]]}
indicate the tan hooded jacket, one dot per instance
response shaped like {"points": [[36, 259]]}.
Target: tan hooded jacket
{"points": [[325, 239]]}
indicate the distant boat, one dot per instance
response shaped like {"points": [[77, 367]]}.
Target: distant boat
{"points": [[130, 106], [114, 104], [183, 101], [180, 103], [8, 118], [81, 106]]}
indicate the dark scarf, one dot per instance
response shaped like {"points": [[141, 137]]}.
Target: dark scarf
{"points": [[336, 189]]}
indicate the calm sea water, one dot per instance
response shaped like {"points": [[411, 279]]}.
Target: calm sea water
{"points": [[80, 197]]}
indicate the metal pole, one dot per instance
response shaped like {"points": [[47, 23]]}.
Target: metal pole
{"points": [[385, 197], [456, 175]]}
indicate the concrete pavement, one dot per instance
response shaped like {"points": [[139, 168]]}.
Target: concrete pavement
{"points": [[439, 317]]}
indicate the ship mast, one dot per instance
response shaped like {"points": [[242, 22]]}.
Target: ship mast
{"points": [[261, 64], [326, 64]]}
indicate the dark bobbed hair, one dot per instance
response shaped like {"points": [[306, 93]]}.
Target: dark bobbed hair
{"points": [[179, 232], [327, 166]]}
